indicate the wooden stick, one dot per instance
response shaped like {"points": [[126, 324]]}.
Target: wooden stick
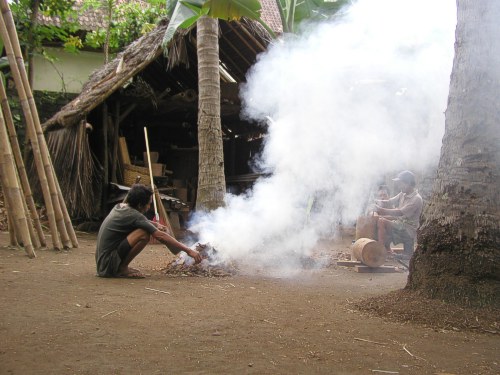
{"points": [[373, 342], [111, 312], [414, 356], [151, 172], [157, 290], [16, 150], [163, 214]]}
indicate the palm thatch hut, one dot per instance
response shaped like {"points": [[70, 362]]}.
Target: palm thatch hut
{"points": [[96, 137]]}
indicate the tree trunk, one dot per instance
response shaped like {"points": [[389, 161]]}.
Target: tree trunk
{"points": [[458, 254], [211, 179], [30, 48]]}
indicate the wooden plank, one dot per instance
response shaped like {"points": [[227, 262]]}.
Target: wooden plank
{"points": [[349, 263], [124, 156], [382, 269]]}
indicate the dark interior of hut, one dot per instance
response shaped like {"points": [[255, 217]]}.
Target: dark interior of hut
{"points": [[166, 102]]}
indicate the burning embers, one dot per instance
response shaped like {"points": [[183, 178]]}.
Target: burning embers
{"points": [[210, 266]]}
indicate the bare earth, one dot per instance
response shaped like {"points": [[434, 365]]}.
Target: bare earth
{"points": [[57, 317]]}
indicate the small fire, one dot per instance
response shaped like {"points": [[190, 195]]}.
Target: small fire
{"points": [[210, 266]]}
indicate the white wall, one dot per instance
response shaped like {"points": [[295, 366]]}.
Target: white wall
{"points": [[68, 72]]}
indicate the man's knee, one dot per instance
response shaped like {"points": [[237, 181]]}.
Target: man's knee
{"points": [[138, 236]]}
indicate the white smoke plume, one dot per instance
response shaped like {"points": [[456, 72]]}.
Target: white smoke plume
{"points": [[346, 103]]}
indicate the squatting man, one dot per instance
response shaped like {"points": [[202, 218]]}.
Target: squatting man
{"points": [[125, 233]]}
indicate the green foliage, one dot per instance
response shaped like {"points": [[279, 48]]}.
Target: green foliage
{"points": [[129, 21], [187, 12], [294, 12]]}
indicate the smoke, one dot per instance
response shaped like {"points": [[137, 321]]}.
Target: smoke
{"points": [[345, 104]]}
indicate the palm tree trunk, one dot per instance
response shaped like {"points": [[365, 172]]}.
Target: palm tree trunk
{"points": [[35, 7], [211, 179], [458, 255]]}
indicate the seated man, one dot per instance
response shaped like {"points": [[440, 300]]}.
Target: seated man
{"points": [[125, 233], [400, 224]]}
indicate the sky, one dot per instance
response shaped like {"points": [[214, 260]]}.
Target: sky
{"points": [[348, 103]]}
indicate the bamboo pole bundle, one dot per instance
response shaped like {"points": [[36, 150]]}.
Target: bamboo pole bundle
{"points": [[29, 129], [12, 190], [20, 164], [40, 150]]}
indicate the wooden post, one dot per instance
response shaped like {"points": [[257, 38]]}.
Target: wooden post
{"points": [[20, 164], [12, 190], [116, 135]]}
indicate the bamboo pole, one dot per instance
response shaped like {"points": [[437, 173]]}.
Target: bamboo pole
{"points": [[12, 190], [12, 229], [49, 170], [14, 143], [151, 173], [40, 152], [67, 218]]}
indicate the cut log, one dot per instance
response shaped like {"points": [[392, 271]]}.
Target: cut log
{"points": [[370, 252]]}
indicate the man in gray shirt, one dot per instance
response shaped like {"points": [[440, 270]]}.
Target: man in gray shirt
{"points": [[400, 224], [125, 233]]}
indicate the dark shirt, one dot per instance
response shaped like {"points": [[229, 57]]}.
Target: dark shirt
{"points": [[121, 221]]}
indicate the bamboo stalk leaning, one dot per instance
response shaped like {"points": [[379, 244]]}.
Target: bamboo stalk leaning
{"points": [[30, 130], [11, 227], [40, 152], [52, 180], [16, 150], [12, 190]]}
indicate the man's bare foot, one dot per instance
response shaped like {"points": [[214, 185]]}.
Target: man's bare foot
{"points": [[131, 273]]}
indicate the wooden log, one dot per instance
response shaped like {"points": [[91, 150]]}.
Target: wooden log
{"points": [[369, 252]]}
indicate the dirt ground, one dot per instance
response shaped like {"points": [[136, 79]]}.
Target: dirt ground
{"points": [[57, 317]]}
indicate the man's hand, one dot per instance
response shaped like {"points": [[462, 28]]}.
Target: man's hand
{"points": [[194, 254]]}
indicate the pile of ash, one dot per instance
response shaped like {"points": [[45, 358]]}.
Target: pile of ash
{"points": [[210, 266]]}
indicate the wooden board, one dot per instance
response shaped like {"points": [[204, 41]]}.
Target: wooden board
{"points": [[123, 151], [349, 263], [381, 269]]}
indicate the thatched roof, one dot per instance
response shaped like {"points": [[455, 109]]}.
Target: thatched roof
{"points": [[240, 43], [110, 77]]}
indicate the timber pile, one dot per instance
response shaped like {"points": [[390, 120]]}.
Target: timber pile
{"points": [[210, 266]]}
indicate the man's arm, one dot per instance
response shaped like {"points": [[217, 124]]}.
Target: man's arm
{"points": [[175, 246], [388, 211]]}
